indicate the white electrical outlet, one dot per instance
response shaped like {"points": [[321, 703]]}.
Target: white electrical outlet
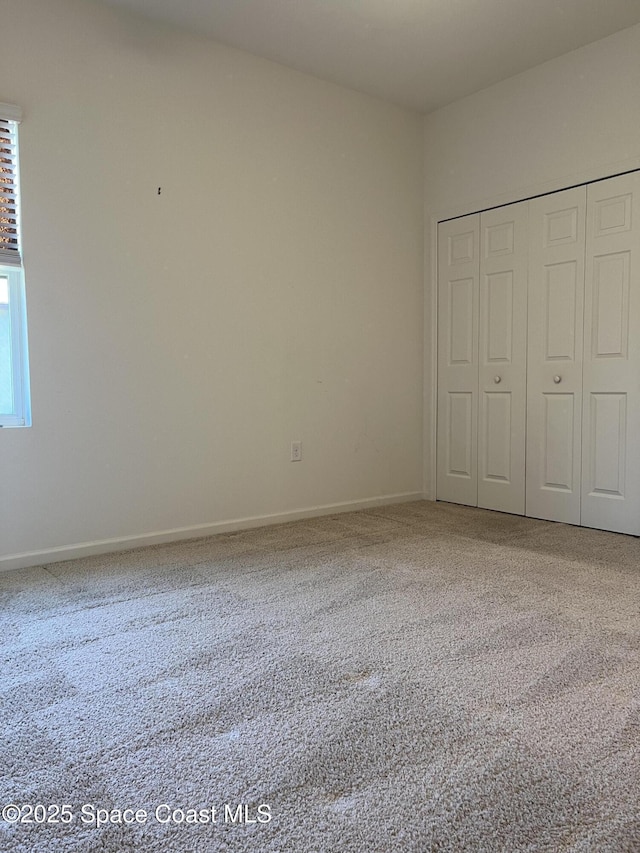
{"points": [[296, 451]]}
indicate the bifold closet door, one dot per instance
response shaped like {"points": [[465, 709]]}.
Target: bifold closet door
{"points": [[554, 363], [458, 292], [611, 393], [502, 399]]}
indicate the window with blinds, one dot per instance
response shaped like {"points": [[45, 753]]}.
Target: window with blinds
{"points": [[15, 408], [9, 185]]}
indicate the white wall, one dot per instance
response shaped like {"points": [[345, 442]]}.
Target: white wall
{"points": [[179, 342], [573, 119]]}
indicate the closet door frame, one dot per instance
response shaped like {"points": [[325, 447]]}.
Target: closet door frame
{"points": [[443, 213], [585, 179]]}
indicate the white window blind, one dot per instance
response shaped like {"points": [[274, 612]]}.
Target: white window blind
{"points": [[9, 187]]}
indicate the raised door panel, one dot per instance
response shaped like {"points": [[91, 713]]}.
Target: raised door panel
{"points": [[502, 358], [496, 456], [458, 272], [557, 439], [611, 406], [457, 434], [554, 361]]}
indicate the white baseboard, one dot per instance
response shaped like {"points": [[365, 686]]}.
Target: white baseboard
{"points": [[123, 543]]}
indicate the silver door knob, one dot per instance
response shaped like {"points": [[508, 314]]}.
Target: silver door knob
{"points": [[557, 379], [497, 379]]}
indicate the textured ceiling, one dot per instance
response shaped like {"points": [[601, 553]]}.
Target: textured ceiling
{"points": [[420, 53]]}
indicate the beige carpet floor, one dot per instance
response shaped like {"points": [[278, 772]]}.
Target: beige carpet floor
{"points": [[415, 678]]}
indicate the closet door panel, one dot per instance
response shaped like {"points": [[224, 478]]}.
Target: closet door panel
{"points": [[502, 358], [611, 407], [458, 273], [554, 360]]}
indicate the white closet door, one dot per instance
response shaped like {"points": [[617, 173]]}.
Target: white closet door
{"points": [[555, 341], [458, 273], [504, 243], [611, 407]]}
